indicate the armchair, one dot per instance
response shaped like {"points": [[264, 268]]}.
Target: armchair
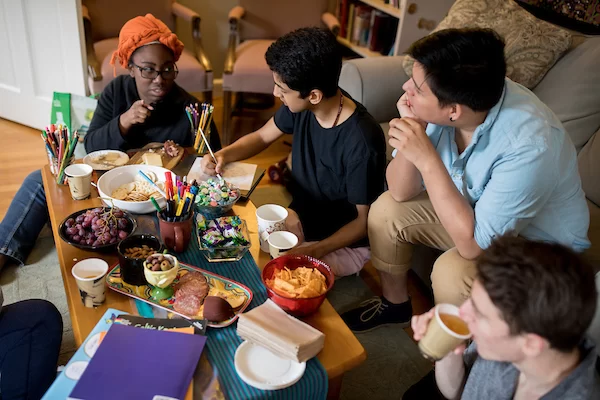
{"points": [[253, 26], [102, 25]]}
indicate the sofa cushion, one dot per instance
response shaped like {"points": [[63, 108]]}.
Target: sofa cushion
{"points": [[532, 45], [589, 168], [572, 90]]}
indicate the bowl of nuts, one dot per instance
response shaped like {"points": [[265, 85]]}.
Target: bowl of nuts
{"points": [[160, 271], [133, 251]]}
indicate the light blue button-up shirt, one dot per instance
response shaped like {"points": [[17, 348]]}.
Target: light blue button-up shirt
{"points": [[519, 172]]}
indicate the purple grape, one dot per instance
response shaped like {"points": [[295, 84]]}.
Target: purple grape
{"points": [[70, 222], [98, 210], [106, 236], [122, 235], [118, 213], [82, 241], [76, 238], [71, 231], [81, 232], [89, 242], [79, 219], [86, 224], [94, 227], [96, 243], [78, 226], [94, 219], [113, 240], [113, 232], [122, 223], [101, 222]]}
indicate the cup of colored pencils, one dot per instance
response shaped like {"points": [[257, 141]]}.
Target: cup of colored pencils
{"points": [[60, 146], [200, 117]]}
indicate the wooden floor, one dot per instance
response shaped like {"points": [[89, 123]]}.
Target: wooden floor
{"points": [[22, 152]]}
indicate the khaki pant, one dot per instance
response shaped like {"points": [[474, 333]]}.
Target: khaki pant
{"points": [[393, 230]]}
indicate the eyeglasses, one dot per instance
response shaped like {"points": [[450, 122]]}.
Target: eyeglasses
{"points": [[150, 73]]}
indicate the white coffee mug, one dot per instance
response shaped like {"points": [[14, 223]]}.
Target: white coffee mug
{"points": [[271, 218], [280, 242], [89, 275], [80, 180]]}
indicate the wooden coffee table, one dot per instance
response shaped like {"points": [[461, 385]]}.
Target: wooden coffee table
{"points": [[342, 350]]}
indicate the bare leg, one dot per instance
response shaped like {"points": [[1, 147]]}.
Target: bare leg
{"points": [[394, 287]]}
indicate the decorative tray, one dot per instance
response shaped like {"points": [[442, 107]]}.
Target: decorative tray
{"points": [[234, 292]]}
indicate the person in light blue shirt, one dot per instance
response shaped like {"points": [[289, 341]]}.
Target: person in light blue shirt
{"points": [[476, 156]]}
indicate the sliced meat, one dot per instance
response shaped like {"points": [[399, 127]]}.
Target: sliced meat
{"points": [[197, 288], [188, 304], [190, 276]]}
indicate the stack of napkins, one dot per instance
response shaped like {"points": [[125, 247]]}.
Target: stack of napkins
{"points": [[272, 328]]}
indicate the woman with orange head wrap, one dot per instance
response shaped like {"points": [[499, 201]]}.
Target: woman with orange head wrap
{"points": [[133, 110], [146, 105]]}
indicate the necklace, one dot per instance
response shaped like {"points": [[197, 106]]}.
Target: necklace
{"points": [[339, 110]]}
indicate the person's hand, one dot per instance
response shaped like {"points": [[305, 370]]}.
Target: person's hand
{"points": [[137, 114], [307, 250], [208, 164], [403, 106], [408, 137], [419, 324]]}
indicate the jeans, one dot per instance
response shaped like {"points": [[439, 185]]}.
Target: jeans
{"points": [[30, 337], [26, 216]]}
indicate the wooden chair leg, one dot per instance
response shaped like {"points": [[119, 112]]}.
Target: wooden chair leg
{"points": [[208, 97], [226, 134]]}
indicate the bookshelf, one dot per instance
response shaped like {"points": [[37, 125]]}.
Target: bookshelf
{"points": [[376, 28]]}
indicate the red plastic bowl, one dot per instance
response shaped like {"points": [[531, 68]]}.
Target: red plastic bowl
{"points": [[297, 307]]}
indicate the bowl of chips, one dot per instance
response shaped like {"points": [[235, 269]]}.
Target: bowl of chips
{"points": [[124, 187], [297, 283], [216, 197]]}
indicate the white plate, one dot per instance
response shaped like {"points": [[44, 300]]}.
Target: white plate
{"points": [[264, 370], [103, 160]]}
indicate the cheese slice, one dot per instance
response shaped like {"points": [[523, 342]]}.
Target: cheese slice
{"points": [[152, 159]]}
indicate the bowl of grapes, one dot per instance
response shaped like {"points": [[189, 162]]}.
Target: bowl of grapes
{"points": [[97, 229]]}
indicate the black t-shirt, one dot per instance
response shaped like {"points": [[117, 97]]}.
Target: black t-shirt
{"points": [[333, 169], [168, 120]]}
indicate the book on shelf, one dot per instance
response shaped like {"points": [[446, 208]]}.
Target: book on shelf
{"points": [[361, 25], [351, 13], [382, 32]]}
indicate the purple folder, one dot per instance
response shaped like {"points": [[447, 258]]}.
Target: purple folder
{"points": [[134, 363]]}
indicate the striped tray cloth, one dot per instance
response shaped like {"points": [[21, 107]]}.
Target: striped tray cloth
{"points": [[222, 343]]}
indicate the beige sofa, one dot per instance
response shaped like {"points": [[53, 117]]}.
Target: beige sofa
{"points": [[571, 89]]}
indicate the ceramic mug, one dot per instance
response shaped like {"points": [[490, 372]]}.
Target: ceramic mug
{"points": [[280, 242], [176, 235], [89, 275], [79, 177], [271, 218]]}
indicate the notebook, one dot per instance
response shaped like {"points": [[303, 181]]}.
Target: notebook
{"points": [[140, 363]]}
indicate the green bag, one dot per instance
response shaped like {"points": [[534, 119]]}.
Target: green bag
{"points": [[76, 113]]}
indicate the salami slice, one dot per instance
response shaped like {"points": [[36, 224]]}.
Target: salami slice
{"points": [[188, 304]]}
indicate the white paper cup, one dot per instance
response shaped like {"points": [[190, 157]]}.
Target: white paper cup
{"points": [[79, 177], [281, 242], [440, 339], [89, 275], [271, 218]]}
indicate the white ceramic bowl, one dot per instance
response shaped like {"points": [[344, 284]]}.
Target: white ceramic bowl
{"points": [[121, 175]]}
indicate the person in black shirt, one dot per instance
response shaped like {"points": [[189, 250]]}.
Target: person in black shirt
{"points": [[338, 150], [146, 106]]}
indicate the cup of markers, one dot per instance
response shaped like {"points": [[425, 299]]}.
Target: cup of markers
{"points": [[215, 198], [180, 199]]}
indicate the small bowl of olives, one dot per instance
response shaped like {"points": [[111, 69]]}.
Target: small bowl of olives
{"points": [[160, 271]]}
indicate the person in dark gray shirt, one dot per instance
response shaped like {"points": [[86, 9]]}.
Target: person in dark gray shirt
{"points": [[530, 307]]}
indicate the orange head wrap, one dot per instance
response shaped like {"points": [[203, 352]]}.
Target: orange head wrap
{"points": [[141, 31]]}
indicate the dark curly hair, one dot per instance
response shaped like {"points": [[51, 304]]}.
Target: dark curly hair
{"points": [[307, 59], [463, 66], [539, 287]]}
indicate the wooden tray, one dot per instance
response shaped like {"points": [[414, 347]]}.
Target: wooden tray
{"points": [[168, 161], [216, 283]]}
